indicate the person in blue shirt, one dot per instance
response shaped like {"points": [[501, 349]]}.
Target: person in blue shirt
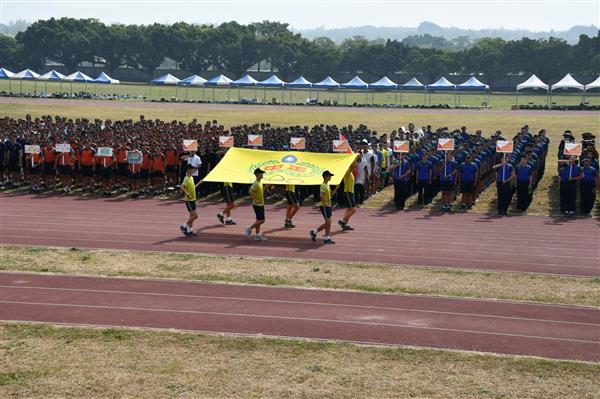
{"points": [[467, 176], [524, 176], [504, 176], [424, 176], [448, 182], [568, 176], [401, 171], [14, 160], [587, 187]]}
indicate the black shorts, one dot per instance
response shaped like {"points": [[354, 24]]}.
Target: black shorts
{"points": [[171, 169], [350, 200], [136, 176], [447, 185], [13, 166], [48, 168], [228, 194], [122, 169], [259, 211], [65, 170], [325, 211], [144, 174], [107, 173], [190, 205], [87, 170], [291, 198], [157, 173], [467, 187], [34, 170]]}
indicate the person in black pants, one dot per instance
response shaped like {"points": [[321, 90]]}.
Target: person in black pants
{"points": [[567, 180], [504, 177], [524, 175], [400, 172], [587, 187]]}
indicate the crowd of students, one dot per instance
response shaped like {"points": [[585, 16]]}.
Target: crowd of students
{"points": [[424, 171]]}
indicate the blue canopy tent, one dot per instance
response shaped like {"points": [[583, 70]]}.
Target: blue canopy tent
{"points": [[6, 74], [78, 77], [472, 84], [245, 81], [356, 83], [329, 84], [299, 83], [412, 84], [26, 74], [272, 81], [164, 80], [105, 79], [220, 80], [441, 85], [52, 76], [383, 84], [193, 80]]}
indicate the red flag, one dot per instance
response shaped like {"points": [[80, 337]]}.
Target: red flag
{"points": [[342, 137]]}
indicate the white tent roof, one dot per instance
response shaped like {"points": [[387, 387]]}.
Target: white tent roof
{"points": [[594, 85], [472, 83], [568, 82], [413, 82], [52, 75], [532, 83], [26, 74], [78, 77]]}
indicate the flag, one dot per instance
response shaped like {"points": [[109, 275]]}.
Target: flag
{"points": [[349, 151]]}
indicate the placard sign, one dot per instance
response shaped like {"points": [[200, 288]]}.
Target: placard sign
{"points": [[255, 140], [63, 148], [340, 146], [297, 143], [190, 145], [105, 152], [401, 146], [504, 146], [225, 141], [445, 144], [572, 149], [32, 149], [134, 157]]}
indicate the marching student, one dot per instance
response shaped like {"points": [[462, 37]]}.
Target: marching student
{"points": [[350, 201], [34, 168], [401, 175], [135, 175], [448, 181], [587, 186], [229, 199], [524, 175], [106, 165], [467, 176], [188, 188], [120, 151], [87, 167], [292, 205], [424, 176], [258, 204], [504, 176], [65, 169], [325, 208], [568, 175], [49, 155]]}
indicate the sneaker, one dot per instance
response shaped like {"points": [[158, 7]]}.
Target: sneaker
{"points": [[260, 237], [288, 225], [328, 241], [341, 223], [191, 234], [248, 231], [221, 218], [347, 227], [183, 229], [230, 223], [313, 235]]}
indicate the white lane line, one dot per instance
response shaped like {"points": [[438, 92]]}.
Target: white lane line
{"points": [[281, 301], [366, 323]]}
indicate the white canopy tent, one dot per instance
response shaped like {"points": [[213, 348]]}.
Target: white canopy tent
{"points": [[593, 85], [533, 83], [568, 82]]}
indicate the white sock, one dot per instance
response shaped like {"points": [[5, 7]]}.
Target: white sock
{"points": [[229, 218], [189, 229], [220, 213], [327, 238]]}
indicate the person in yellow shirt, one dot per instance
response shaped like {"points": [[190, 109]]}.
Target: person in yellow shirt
{"points": [[350, 201], [292, 205], [188, 188], [325, 208], [229, 199], [258, 203]]}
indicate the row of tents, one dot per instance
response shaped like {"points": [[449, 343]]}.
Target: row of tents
{"points": [[568, 82], [54, 76]]}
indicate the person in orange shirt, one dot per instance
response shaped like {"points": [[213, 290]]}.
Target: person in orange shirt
{"points": [[50, 159], [134, 177], [106, 165], [122, 166], [34, 169], [65, 169], [171, 165], [158, 171], [87, 166], [146, 167]]}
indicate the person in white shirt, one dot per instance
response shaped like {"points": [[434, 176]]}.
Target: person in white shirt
{"points": [[361, 178], [194, 160]]}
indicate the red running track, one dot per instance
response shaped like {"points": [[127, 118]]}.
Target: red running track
{"points": [[474, 241], [562, 332]]}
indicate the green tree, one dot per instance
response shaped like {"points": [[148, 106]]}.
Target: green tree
{"points": [[10, 52]]}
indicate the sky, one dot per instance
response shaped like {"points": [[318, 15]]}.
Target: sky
{"points": [[533, 15]]}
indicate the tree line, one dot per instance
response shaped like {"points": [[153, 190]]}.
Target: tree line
{"points": [[234, 48]]}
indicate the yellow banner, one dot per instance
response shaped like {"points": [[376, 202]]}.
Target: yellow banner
{"points": [[281, 167]]}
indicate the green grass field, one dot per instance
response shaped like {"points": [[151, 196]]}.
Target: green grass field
{"points": [[495, 100]]}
